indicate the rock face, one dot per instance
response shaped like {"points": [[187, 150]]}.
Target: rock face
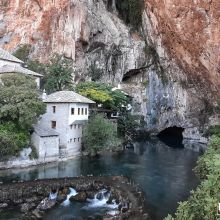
{"points": [[171, 67]]}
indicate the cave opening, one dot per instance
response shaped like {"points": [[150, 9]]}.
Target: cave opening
{"points": [[172, 136]]}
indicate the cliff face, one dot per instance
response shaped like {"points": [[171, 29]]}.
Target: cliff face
{"points": [[83, 30], [189, 31], [171, 69]]}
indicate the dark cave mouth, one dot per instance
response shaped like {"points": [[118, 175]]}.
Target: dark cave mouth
{"points": [[172, 136]]}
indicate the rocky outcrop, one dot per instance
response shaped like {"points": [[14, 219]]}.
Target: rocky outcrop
{"points": [[171, 67], [33, 196], [84, 31]]}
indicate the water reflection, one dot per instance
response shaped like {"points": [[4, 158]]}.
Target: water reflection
{"points": [[164, 173]]}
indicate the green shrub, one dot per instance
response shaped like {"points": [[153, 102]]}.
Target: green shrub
{"points": [[12, 140], [203, 202], [34, 154], [100, 134]]}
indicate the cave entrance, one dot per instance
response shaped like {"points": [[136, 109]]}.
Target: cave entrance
{"points": [[172, 136]]}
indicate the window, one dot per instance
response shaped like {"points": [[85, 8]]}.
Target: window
{"points": [[79, 126], [74, 126], [78, 111], [78, 139], [74, 139], [71, 140], [53, 124], [86, 111], [54, 109], [71, 126], [82, 111], [72, 111]]}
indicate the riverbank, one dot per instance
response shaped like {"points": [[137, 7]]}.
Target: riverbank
{"points": [[27, 196], [25, 160]]}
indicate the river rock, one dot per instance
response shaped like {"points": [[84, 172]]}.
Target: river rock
{"points": [[80, 197], [90, 194], [46, 204], [3, 205], [61, 198], [25, 207]]}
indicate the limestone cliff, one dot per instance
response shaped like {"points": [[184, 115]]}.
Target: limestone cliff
{"points": [[171, 67]]}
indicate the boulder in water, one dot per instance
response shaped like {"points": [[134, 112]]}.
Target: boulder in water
{"points": [[46, 204], [3, 205], [80, 197]]}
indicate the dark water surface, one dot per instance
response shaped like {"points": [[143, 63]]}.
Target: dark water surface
{"points": [[164, 173]]}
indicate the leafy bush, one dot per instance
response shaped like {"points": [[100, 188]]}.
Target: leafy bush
{"points": [[203, 202], [12, 140], [103, 94], [100, 134], [131, 11]]}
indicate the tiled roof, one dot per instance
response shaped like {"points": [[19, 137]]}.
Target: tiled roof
{"points": [[67, 97], [18, 69], [5, 55], [42, 132]]}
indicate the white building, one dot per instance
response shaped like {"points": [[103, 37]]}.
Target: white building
{"points": [[66, 113], [11, 64]]}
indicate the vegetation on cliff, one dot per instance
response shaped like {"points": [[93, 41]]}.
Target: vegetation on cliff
{"points": [[131, 11], [203, 202], [59, 74], [20, 107]]}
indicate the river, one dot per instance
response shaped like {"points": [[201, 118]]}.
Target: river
{"points": [[163, 172]]}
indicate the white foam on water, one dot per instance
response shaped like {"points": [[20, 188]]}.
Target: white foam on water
{"points": [[72, 193], [100, 200]]}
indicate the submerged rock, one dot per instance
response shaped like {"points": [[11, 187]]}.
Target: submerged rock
{"points": [[80, 197], [46, 204]]}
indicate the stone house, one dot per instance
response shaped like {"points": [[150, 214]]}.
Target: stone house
{"points": [[11, 64], [66, 114]]}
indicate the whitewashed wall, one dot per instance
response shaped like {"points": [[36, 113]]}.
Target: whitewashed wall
{"points": [[47, 147]]}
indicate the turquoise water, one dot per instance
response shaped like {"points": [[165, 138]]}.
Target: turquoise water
{"points": [[164, 173]]}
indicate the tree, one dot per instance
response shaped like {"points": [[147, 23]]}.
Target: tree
{"points": [[103, 94], [128, 125], [20, 101], [12, 140], [100, 134], [59, 74]]}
